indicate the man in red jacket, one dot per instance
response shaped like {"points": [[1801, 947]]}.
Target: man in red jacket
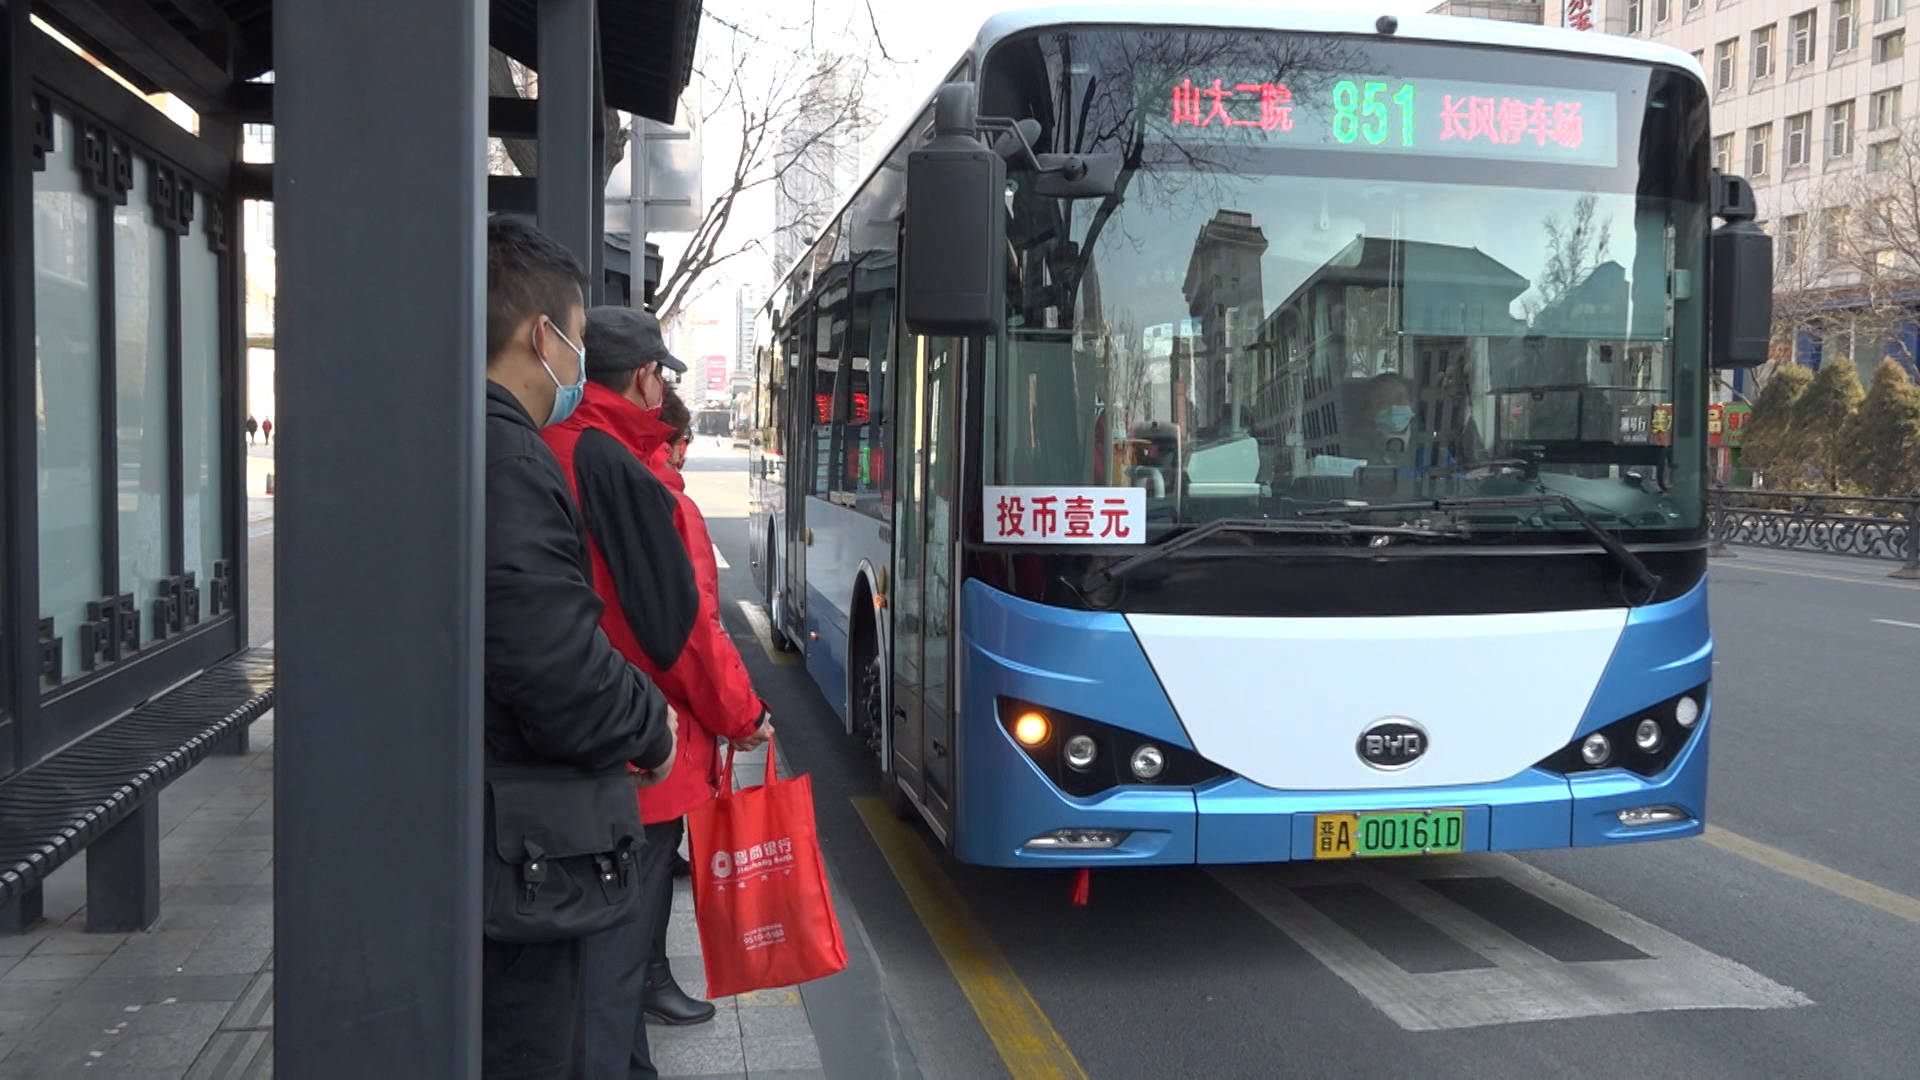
{"points": [[654, 566]]}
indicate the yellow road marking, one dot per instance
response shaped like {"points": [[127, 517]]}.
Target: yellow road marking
{"points": [[1899, 905], [1026, 1039], [1811, 574]]}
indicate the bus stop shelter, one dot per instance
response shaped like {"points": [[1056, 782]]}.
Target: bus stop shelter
{"points": [[123, 565]]}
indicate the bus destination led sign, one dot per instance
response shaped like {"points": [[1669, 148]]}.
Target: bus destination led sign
{"points": [[1434, 116]]}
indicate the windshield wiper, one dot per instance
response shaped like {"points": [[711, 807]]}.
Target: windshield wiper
{"points": [[1108, 574], [1621, 554]]}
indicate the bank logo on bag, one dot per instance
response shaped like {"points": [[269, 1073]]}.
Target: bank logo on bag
{"points": [[760, 859]]}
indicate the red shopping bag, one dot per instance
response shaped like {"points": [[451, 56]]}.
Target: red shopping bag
{"points": [[760, 888]]}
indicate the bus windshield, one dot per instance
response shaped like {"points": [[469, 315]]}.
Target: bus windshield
{"points": [[1344, 271]]}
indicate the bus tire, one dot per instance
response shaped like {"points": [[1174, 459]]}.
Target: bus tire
{"points": [[870, 720], [775, 615]]}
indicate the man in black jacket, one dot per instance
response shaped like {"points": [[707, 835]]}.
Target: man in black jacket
{"points": [[556, 689]]}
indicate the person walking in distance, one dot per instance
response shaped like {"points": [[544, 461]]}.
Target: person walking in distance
{"points": [[266, 430], [558, 695], [662, 611], [252, 426]]}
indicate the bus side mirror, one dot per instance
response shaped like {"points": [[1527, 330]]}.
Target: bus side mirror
{"points": [[953, 248], [1740, 273]]}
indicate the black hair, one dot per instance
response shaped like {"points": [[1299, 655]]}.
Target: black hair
{"points": [[528, 273], [674, 414]]}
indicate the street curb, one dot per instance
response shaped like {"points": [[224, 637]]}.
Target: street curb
{"points": [[854, 1026]]}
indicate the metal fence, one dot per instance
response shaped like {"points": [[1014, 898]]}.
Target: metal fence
{"points": [[1871, 527]]}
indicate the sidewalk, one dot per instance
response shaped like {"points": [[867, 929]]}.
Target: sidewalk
{"points": [[193, 997]]}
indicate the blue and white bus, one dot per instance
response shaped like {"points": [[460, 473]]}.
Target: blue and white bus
{"points": [[1217, 434]]}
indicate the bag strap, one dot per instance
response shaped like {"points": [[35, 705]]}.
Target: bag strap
{"points": [[726, 770]]}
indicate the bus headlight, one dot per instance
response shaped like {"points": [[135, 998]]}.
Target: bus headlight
{"points": [[1083, 757], [1595, 750], [1645, 742], [1081, 750], [1686, 712], [1647, 735]]}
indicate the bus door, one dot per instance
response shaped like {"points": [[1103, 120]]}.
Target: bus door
{"points": [[804, 421], [925, 517]]}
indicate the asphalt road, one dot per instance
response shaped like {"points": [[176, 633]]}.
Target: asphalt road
{"points": [[1786, 943]]}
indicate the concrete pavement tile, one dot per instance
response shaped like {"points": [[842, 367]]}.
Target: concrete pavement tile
{"points": [[37, 968], [255, 1007], [784, 1053], [705, 1076], [74, 1019], [35, 999], [774, 1024], [242, 961], [15, 1023], [107, 1055], [688, 1056], [80, 943], [22, 944], [150, 990], [683, 936], [227, 868], [247, 840], [239, 936], [228, 895], [234, 1054], [788, 1074], [190, 917]]}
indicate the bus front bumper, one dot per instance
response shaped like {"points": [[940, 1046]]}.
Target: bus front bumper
{"points": [[1233, 820]]}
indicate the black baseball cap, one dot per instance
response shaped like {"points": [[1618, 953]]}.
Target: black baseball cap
{"points": [[622, 339]]}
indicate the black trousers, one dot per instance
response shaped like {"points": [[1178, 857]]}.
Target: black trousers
{"points": [[531, 999], [615, 964]]}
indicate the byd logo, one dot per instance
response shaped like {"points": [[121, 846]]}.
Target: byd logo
{"points": [[1391, 744]]}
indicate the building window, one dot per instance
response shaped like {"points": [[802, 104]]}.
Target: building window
{"points": [[1889, 46], [67, 287], [1662, 11], [1880, 155], [1840, 130], [1890, 9], [1723, 153], [1799, 140], [1836, 226], [1802, 28], [202, 418], [1694, 5], [1792, 229], [1762, 53], [1723, 64], [1883, 109], [1758, 139], [1846, 29], [1636, 20], [142, 307]]}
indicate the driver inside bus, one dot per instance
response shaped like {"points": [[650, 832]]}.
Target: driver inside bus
{"points": [[1389, 419]]}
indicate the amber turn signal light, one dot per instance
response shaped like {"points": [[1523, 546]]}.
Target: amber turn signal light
{"points": [[1031, 729]]}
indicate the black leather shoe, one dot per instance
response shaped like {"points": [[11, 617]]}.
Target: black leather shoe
{"points": [[666, 1003]]}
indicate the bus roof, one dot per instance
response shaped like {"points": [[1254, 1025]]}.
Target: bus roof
{"points": [[1249, 16]]}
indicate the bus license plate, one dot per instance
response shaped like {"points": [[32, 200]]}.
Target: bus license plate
{"points": [[1397, 832]]}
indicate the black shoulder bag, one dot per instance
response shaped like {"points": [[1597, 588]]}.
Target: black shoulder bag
{"points": [[562, 858]]}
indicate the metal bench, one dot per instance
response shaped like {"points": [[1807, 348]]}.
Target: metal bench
{"points": [[101, 795]]}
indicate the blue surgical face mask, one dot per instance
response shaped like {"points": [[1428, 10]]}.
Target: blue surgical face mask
{"points": [[566, 396], [1394, 417]]}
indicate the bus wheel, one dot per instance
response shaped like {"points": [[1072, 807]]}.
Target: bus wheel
{"points": [[870, 720], [781, 643]]}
